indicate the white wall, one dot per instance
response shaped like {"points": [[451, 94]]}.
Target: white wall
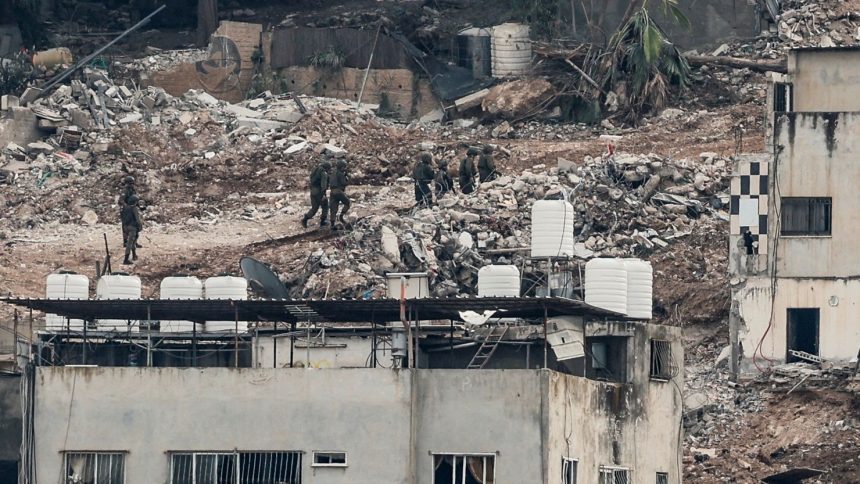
{"points": [[338, 352], [827, 80]]}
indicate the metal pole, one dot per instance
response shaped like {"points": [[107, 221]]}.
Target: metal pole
{"points": [[292, 342], [373, 344], [369, 62], [451, 339], [406, 322], [71, 70], [84, 351], [545, 342], [275, 347], [236, 337], [194, 344], [15, 332], [149, 336]]}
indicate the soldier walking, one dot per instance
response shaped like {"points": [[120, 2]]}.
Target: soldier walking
{"points": [[132, 222], [319, 185], [467, 171], [444, 183], [338, 183], [125, 195], [486, 165], [423, 176]]}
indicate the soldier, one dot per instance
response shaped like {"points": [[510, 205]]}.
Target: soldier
{"points": [[131, 225], [444, 183], [423, 176], [127, 192], [338, 183], [467, 171], [486, 165], [318, 185]]}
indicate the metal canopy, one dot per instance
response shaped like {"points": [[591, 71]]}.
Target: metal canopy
{"points": [[325, 310]]}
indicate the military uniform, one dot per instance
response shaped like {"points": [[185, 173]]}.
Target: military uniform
{"points": [[319, 185], [338, 183], [444, 183], [423, 176], [467, 172], [486, 166], [132, 222], [128, 191]]}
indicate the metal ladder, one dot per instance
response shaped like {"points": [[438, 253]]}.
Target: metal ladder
{"points": [[806, 356], [487, 348]]}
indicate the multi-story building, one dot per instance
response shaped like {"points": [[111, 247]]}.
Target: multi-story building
{"points": [[794, 266]]}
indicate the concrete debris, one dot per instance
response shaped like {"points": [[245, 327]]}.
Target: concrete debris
{"points": [[518, 98]]}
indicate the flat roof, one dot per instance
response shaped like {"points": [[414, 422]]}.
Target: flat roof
{"points": [[313, 310], [822, 49]]}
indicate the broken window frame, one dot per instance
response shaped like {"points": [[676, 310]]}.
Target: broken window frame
{"points": [[662, 478], [317, 454], [569, 470], [663, 367], [91, 462], [815, 224], [461, 479], [783, 97], [275, 466], [614, 475]]}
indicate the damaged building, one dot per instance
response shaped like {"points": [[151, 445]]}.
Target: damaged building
{"points": [[793, 268], [416, 389]]}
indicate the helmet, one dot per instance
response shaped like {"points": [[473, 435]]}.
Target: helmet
{"points": [[132, 200], [472, 152], [326, 164], [341, 163], [443, 163], [426, 157], [128, 179], [488, 149]]}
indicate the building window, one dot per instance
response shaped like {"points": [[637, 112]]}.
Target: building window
{"points": [[235, 467], [662, 478], [95, 468], [783, 100], [464, 469], [662, 365], [329, 459], [568, 470], [806, 216], [614, 475]]}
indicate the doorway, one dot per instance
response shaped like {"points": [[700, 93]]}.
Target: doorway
{"points": [[803, 324]]}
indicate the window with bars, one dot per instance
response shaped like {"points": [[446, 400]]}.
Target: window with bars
{"points": [[806, 215], [662, 478], [662, 365], [329, 459], [568, 470], [94, 468], [614, 475], [235, 467], [464, 469]]}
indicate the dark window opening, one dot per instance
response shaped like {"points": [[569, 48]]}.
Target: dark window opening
{"points": [[662, 478], [568, 471], [662, 364], [333, 459], [464, 469], [221, 467], [803, 324], [806, 216], [783, 98], [95, 468], [606, 358]]}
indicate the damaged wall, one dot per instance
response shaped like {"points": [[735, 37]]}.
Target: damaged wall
{"points": [[825, 79]]}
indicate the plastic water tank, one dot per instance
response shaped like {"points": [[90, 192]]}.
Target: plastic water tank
{"points": [[640, 283], [511, 50], [180, 287], [499, 281], [606, 284], [66, 285], [118, 286], [552, 228], [225, 287]]}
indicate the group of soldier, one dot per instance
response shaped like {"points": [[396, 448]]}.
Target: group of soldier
{"points": [[424, 174], [328, 184]]}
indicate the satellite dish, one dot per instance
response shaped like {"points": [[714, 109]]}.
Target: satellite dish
{"points": [[262, 279]]}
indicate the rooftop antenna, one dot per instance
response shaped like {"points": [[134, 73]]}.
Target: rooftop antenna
{"points": [[262, 279]]}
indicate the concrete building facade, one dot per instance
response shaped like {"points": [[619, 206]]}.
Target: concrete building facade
{"points": [[795, 273]]}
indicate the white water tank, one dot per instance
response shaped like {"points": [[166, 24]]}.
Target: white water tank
{"points": [[180, 287], [640, 283], [66, 285], [499, 281], [118, 286], [226, 287], [606, 284], [511, 50], [552, 228]]}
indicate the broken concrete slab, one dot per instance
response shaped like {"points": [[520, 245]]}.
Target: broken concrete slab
{"points": [[30, 94], [242, 111], [433, 116], [472, 100], [296, 148], [131, 118], [8, 101], [264, 124]]}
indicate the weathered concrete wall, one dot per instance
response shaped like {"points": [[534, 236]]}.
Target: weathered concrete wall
{"points": [[839, 334], [10, 418], [818, 158], [338, 352], [712, 21], [825, 80]]}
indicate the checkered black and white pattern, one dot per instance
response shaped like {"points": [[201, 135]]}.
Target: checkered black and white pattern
{"points": [[749, 201]]}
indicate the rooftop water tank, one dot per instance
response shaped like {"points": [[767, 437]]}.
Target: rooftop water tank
{"points": [[474, 51], [640, 282], [499, 281], [226, 287], [66, 285], [511, 50], [606, 284], [118, 286], [180, 287], [552, 228]]}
